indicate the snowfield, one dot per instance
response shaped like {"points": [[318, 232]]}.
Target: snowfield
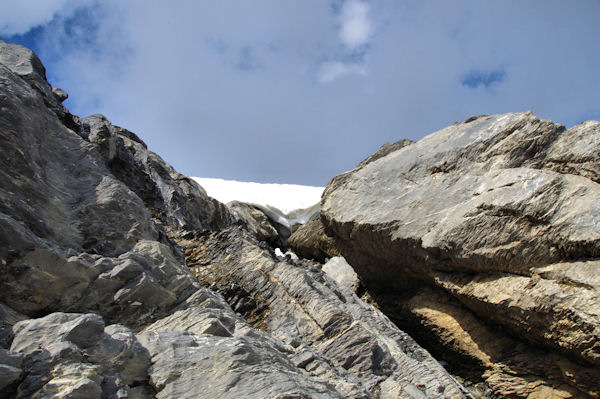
{"points": [[285, 197]]}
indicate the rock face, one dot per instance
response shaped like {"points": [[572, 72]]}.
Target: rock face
{"points": [[498, 217], [256, 222], [76, 356], [321, 319], [74, 237], [311, 242], [98, 239]]}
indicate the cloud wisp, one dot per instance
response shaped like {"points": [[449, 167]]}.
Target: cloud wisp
{"points": [[355, 25], [354, 33]]}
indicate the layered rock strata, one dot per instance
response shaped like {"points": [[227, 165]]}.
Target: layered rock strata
{"points": [[310, 311], [97, 238], [499, 217]]}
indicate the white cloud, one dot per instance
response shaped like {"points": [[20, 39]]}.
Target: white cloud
{"points": [[333, 70], [355, 26], [19, 16], [397, 68], [354, 33]]}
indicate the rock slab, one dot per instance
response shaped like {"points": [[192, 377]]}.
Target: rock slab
{"points": [[501, 212]]}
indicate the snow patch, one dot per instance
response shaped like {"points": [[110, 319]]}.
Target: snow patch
{"points": [[286, 198]]}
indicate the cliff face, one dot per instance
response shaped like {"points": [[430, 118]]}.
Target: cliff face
{"points": [[104, 252], [483, 240], [121, 278]]}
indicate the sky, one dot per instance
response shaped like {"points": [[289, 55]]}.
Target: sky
{"points": [[298, 91]]}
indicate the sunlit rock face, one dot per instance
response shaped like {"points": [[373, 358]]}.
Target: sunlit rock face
{"points": [[490, 222], [104, 249]]}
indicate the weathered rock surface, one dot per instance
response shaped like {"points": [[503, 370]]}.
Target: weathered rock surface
{"points": [[28, 66], [256, 222], [70, 355], [205, 350], [311, 242], [384, 150], [342, 273], [97, 299], [301, 305], [74, 237], [171, 197], [10, 370], [502, 213]]}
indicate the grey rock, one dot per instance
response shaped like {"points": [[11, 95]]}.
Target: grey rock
{"points": [[311, 242], [175, 199], [497, 211], [10, 370], [306, 309], [509, 366], [59, 94], [270, 224], [187, 365], [76, 356], [279, 221], [8, 318], [207, 313], [73, 237], [27, 65], [342, 273], [385, 149], [256, 221], [95, 230]]}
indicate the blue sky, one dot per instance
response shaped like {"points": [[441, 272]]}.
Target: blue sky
{"points": [[299, 91]]}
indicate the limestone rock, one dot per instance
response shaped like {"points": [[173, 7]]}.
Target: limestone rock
{"points": [[500, 211], [256, 221], [310, 241], [342, 273], [76, 356], [73, 237], [215, 344], [279, 221], [385, 149], [10, 370], [305, 308], [8, 318], [173, 198], [200, 366], [28, 66], [59, 94], [88, 223]]}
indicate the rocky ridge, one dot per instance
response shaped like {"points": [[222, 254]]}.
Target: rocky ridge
{"points": [[99, 238], [482, 240]]}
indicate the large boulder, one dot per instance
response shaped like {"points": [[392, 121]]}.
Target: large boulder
{"points": [[501, 213], [311, 242], [255, 221]]}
